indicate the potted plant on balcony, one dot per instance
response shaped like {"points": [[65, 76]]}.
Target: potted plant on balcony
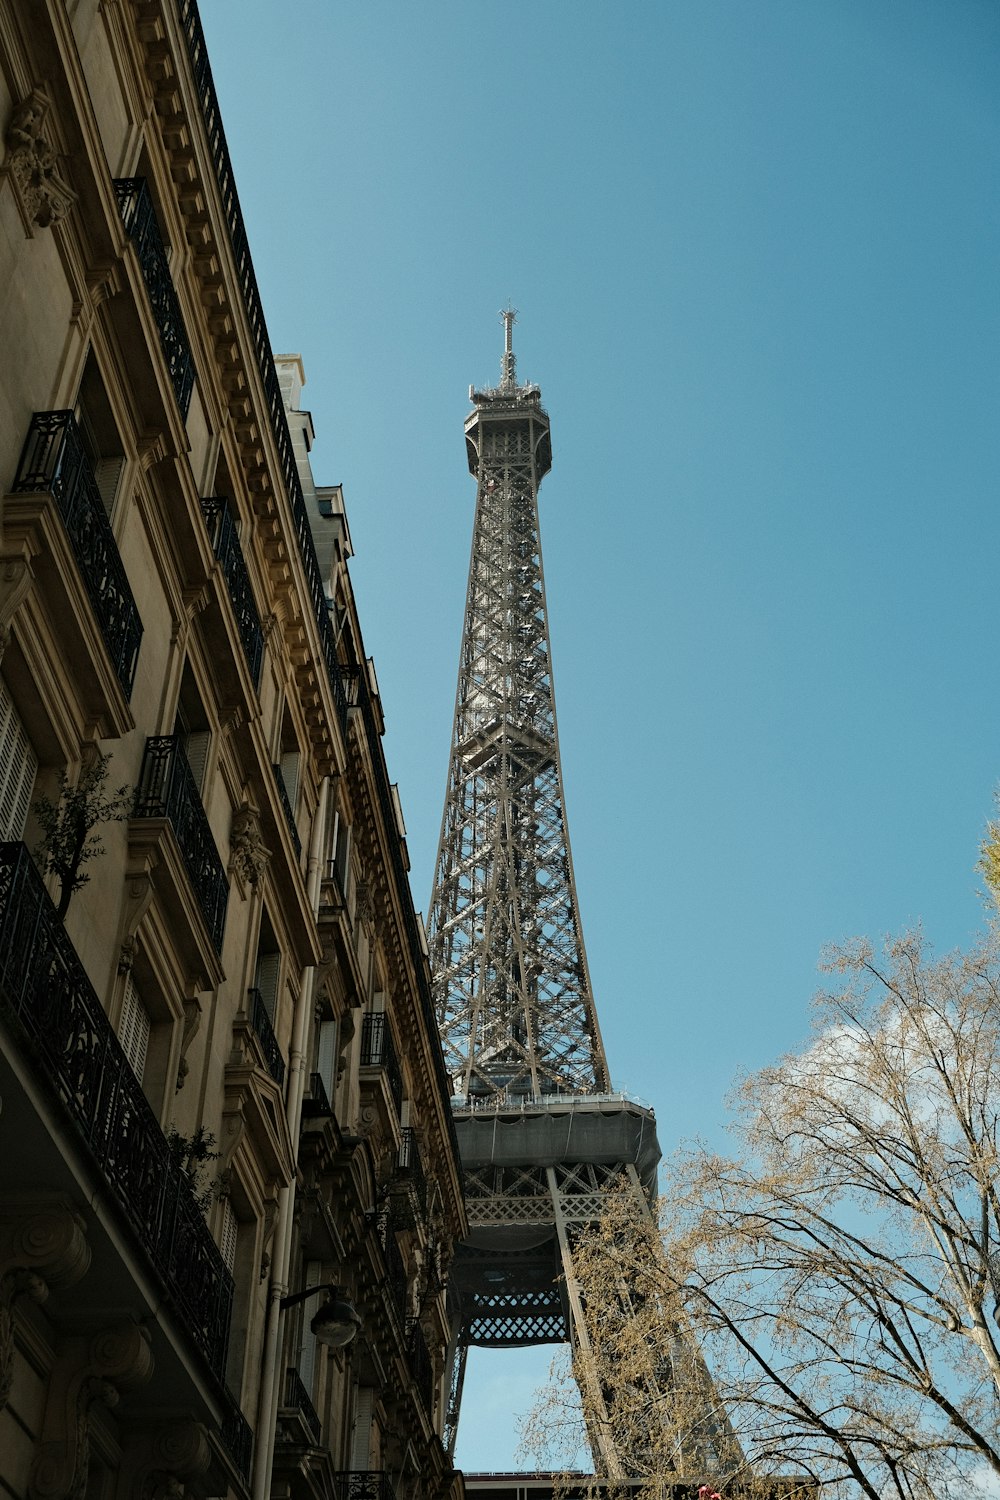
{"points": [[68, 822]]}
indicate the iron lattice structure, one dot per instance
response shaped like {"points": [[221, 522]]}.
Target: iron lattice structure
{"points": [[515, 1006], [543, 1140]]}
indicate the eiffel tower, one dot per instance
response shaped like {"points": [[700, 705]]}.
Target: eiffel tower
{"points": [[543, 1139]]}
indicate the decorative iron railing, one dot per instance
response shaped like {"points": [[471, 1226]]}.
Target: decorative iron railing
{"points": [[167, 789], [316, 1102], [261, 1023], [205, 87], [287, 809], [139, 217], [378, 1050], [409, 1167], [296, 1398], [226, 546], [395, 1267], [237, 1434], [363, 1484], [53, 461], [421, 1367], [44, 987]]}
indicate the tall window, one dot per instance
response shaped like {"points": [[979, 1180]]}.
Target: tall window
{"points": [[191, 722], [18, 768], [99, 433], [134, 1029]]}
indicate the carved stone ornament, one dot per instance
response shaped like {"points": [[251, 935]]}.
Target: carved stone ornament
{"points": [[248, 852], [30, 162], [156, 1463], [42, 1245], [87, 1372]]}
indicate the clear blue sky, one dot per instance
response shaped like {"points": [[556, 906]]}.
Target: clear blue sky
{"points": [[755, 247]]}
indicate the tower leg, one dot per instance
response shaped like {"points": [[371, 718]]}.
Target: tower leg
{"points": [[595, 1408]]}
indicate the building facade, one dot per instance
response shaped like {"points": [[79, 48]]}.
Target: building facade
{"points": [[220, 1076]]}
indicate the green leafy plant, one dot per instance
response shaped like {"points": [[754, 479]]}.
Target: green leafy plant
{"points": [[194, 1155], [68, 822]]}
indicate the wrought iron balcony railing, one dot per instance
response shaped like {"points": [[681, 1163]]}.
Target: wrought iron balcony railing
{"points": [[226, 546], [396, 1277], [288, 810], [379, 1051], [261, 1023], [409, 1167], [296, 1398], [237, 1434], [53, 461], [205, 87], [363, 1484], [316, 1102], [139, 217], [44, 987], [421, 1367], [167, 789]]}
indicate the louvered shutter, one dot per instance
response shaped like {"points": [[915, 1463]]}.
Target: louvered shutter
{"points": [[361, 1443], [230, 1230], [18, 767], [326, 1056], [133, 1029], [307, 1352]]}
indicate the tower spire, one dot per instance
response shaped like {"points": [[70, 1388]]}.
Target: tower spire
{"points": [[508, 364]]}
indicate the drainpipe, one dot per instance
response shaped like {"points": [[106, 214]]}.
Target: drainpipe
{"points": [[270, 1375]]}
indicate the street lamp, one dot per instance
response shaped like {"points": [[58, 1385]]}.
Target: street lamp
{"points": [[337, 1321]]}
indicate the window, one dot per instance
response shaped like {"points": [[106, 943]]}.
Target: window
{"points": [[267, 968], [99, 434], [134, 1029], [191, 724], [326, 1057], [228, 1234], [18, 767]]}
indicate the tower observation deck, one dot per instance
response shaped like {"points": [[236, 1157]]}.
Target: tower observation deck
{"points": [[543, 1138]]}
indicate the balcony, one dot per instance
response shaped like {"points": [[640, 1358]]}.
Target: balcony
{"points": [[261, 1023], [226, 546], [421, 1367], [363, 1484], [409, 1185], [139, 217], [396, 1278], [297, 1411], [316, 1103], [167, 790], [54, 462], [46, 993], [378, 1051], [288, 810], [201, 68]]}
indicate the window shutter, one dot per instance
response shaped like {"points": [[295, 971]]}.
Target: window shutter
{"points": [[133, 1029], [266, 981], [361, 1443], [289, 767], [307, 1352], [326, 1057], [196, 749], [229, 1231], [107, 477], [18, 767]]}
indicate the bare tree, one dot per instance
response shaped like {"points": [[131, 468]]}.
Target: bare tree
{"points": [[841, 1272]]}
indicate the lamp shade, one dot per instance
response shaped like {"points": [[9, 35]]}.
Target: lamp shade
{"points": [[337, 1321]]}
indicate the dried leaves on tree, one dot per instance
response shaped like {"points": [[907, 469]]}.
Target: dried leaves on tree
{"points": [[841, 1273]]}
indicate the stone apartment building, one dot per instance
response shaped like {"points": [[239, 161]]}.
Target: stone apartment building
{"points": [[220, 1078]]}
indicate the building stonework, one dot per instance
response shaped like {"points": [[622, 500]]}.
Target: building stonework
{"points": [[220, 1076]]}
